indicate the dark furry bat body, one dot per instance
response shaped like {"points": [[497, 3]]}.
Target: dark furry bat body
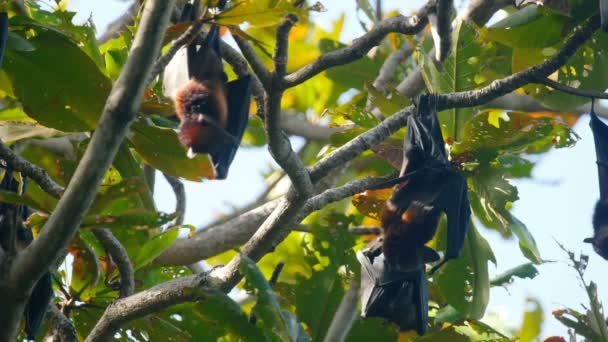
{"points": [[600, 214], [213, 113], [394, 277], [11, 219]]}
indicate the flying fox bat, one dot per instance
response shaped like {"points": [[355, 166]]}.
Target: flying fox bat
{"points": [[394, 275], [213, 113], [600, 214], [12, 218], [432, 186]]}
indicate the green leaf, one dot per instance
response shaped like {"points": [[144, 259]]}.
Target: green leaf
{"points": [[522, 271], [457, 74], [154, 247], [317, 299], [464, 282], [545, 31], [388, 106], [160, 148], [447, 334], [57, 83], [258, 13], [352, 75], [267, 309], [140, 219], [119, 198], [527, 244], [532, 323], [372, 329]]}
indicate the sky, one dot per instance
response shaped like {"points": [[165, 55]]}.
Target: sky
{"points": [[556, 204]]}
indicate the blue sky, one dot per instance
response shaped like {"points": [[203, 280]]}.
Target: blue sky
{"points": [[555, 204]]}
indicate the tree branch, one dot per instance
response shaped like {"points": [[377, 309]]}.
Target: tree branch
{"points": [[569, 90], [32, 171], [361, 45], [254, 61], [180, 199], [216, 239], [120, 109], [278, 143], [444, 29], [508, 84], [186, 289], [61, 329], [120, 256]]}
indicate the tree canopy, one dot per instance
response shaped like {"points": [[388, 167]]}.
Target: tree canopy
{"points": [[87, 128]]}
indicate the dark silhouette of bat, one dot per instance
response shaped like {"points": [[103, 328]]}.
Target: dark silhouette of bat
{"points": [[394, 279], [213, 113], [600, 214], [432, 186], [3, 33], [604, 14], [12, 218], [400, 296]]}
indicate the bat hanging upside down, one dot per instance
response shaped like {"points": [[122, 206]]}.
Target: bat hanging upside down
{"points": [[600, 214], [213, 112], [393, 267]]}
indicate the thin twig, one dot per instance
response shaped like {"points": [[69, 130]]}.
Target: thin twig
{"points": [[120, 256], [569, 90], [32, 171], [361, 45], [180, 199]]}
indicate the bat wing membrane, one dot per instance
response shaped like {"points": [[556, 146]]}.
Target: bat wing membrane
{"points": [[600, 137], [239, 99]]}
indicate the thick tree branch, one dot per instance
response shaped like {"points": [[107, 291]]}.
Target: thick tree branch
{"points": [[180, 199], [216, 239], [278, 143], [186, 289], [61, 329], [361, 45], [120, 109], [120, 256], [34, 172]]}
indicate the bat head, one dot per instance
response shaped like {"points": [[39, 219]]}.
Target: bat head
{"points": [[600, 229]]}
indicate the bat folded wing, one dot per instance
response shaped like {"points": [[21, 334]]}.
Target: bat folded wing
{"points": [[400, 296], [239, 99]]}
